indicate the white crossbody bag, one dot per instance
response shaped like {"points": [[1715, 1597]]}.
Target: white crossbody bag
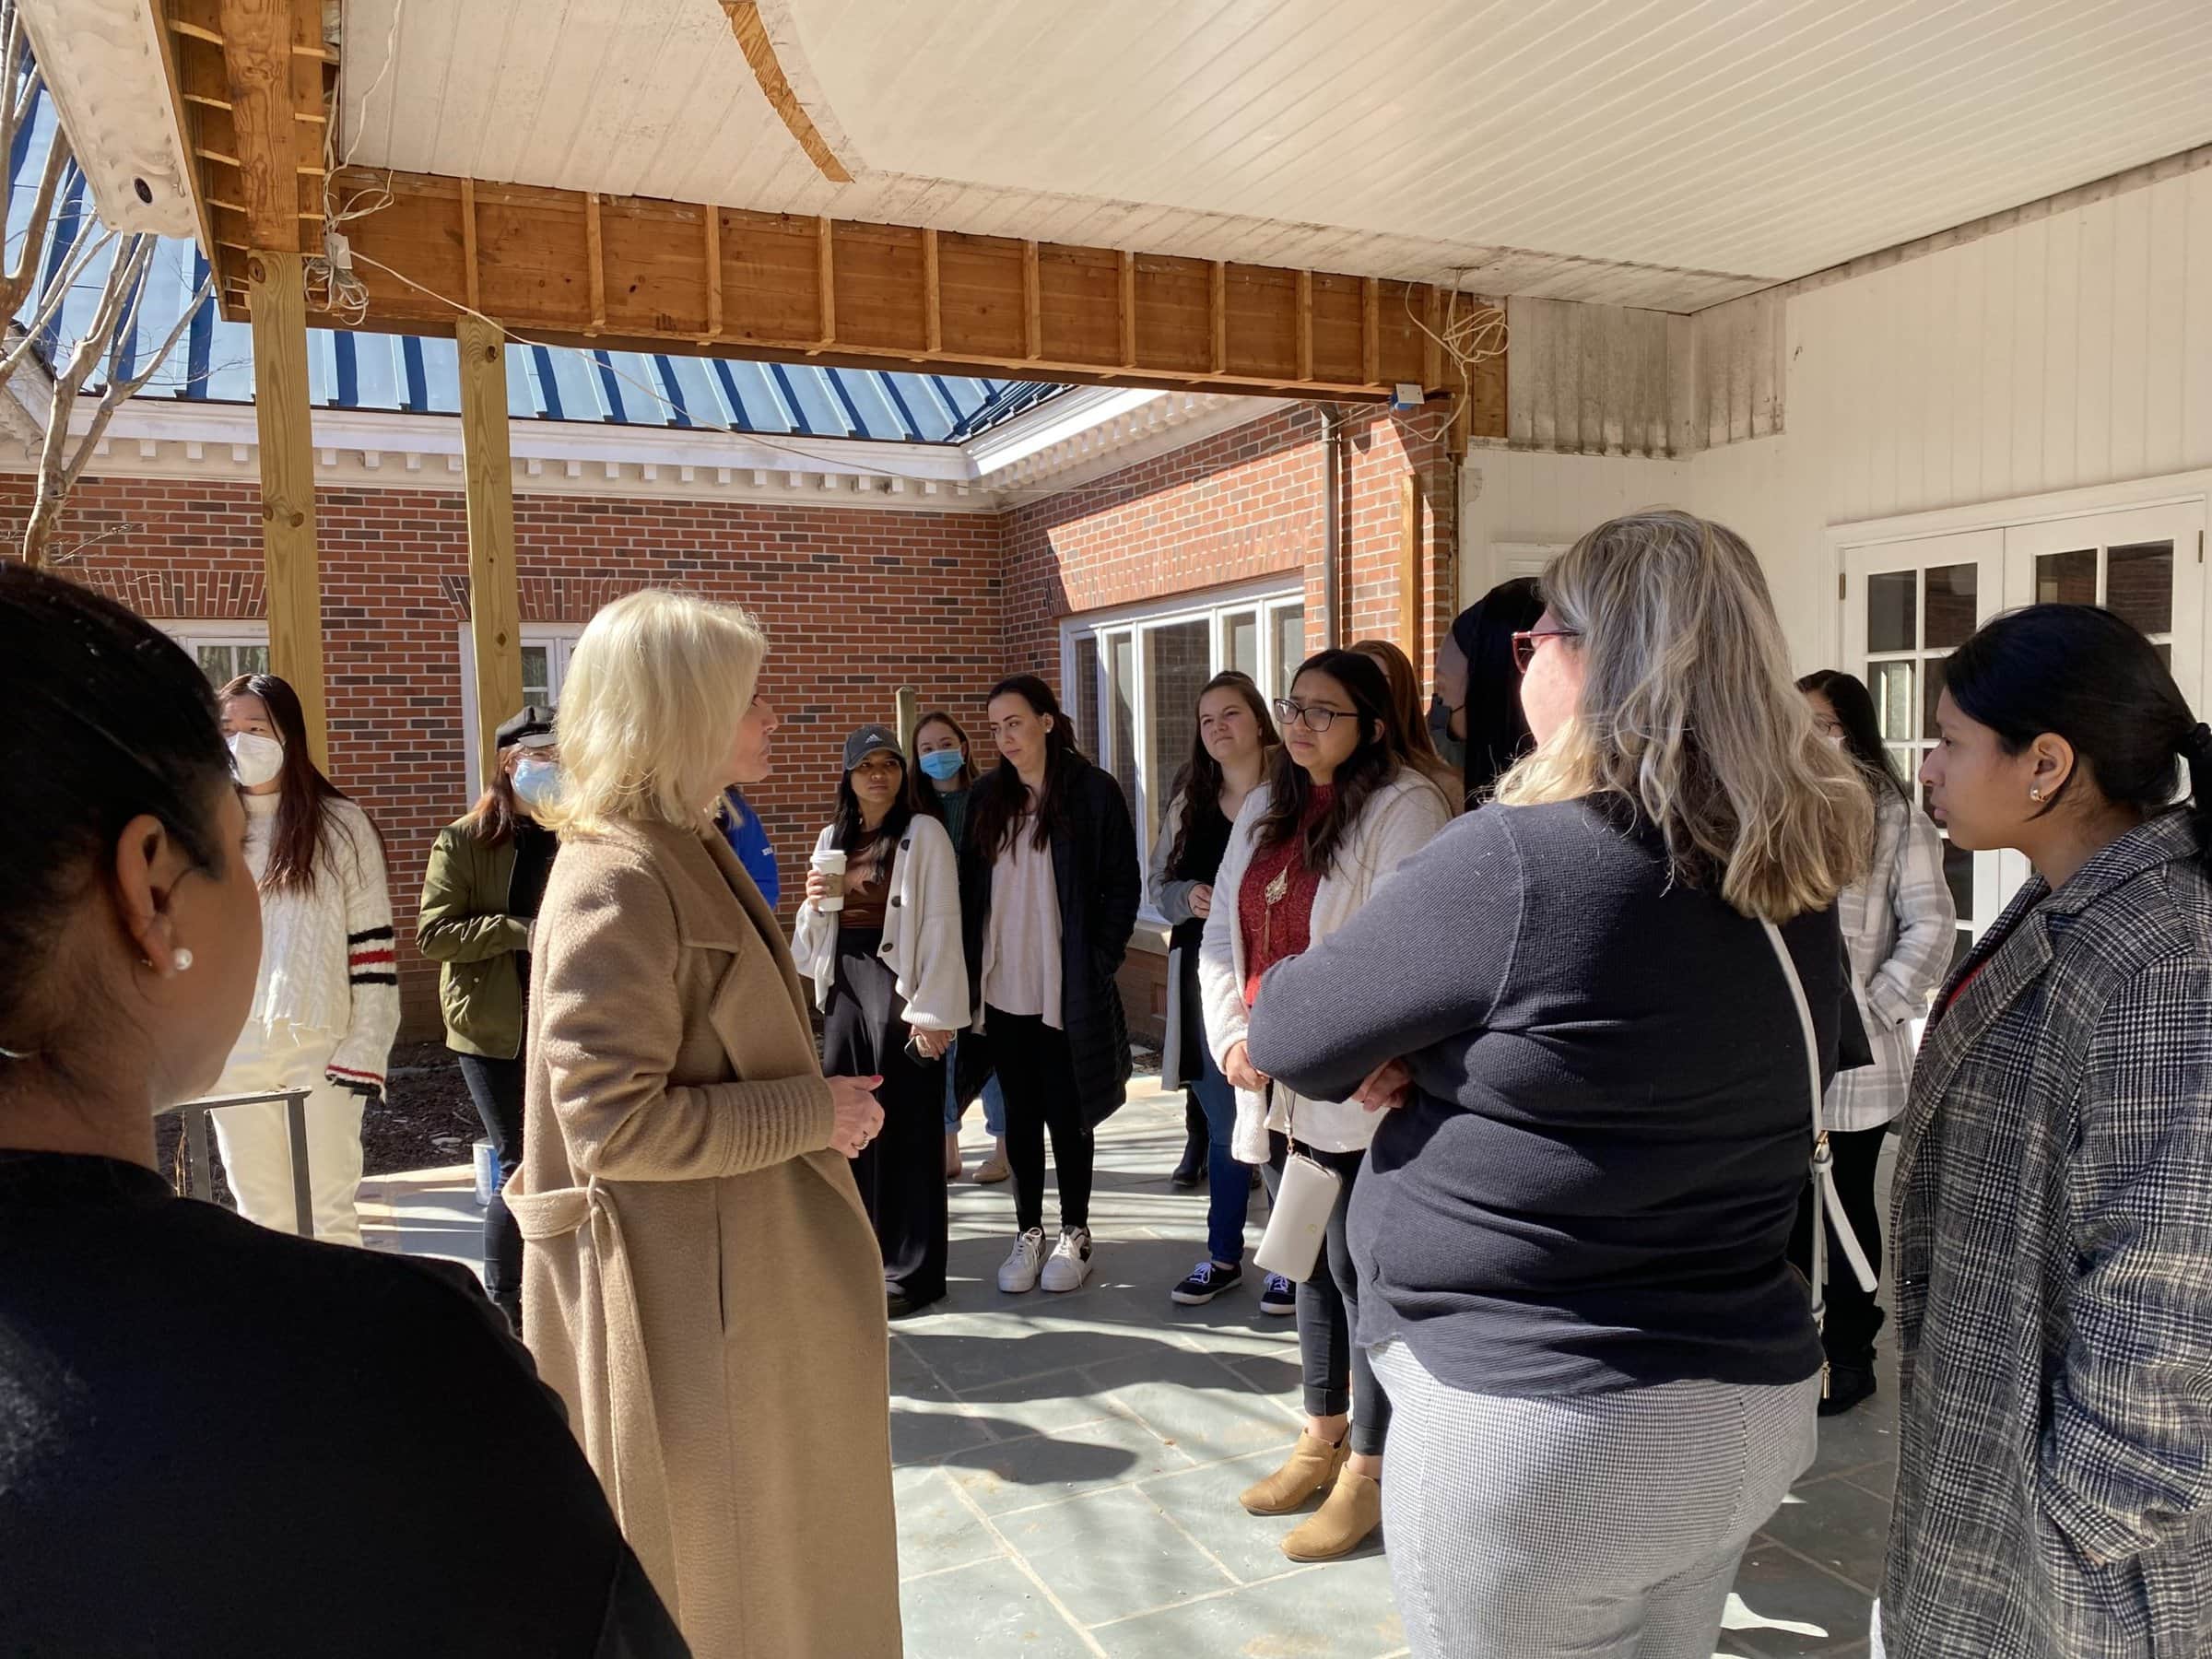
{"points": [[1828, 1208], [1298, 1220]]}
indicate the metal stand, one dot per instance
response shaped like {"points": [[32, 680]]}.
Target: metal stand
{"points": [[199, 1175]]}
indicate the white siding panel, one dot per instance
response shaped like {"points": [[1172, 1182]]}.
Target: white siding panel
{"points": [[2193, 197]]}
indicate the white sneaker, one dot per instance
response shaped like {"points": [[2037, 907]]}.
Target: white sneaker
{"points": [[1070, 1263], [1019, 1271]]}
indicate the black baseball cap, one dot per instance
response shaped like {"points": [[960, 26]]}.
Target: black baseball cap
{"points": [[533, 728], [867, 740]]}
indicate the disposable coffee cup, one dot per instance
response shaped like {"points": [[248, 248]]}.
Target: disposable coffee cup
{"points": [[831, 867]]}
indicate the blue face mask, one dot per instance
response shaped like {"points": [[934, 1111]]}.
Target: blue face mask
{"points": [[537, 783], [944, 765]]}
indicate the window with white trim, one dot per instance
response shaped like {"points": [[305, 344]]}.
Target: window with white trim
{"points": [[224, 650], [1134, 677], [547, 647]]}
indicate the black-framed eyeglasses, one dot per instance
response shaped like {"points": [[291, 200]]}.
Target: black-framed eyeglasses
{"points": [[1315, 717], [1525, 644]]}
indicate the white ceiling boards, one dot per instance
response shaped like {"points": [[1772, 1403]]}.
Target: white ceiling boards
{"points": [[1669, 154]]}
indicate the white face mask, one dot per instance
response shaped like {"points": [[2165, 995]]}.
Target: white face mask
{"points": [[255, 759], [536, 782]]}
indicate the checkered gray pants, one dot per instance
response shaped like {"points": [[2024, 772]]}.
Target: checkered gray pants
{"points": [[1605, 1526]]}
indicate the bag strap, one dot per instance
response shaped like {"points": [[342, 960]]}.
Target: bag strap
{"points": [[1828, 1208]]}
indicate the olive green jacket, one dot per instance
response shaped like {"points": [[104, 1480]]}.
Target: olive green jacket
{"points": [[465, 926]]}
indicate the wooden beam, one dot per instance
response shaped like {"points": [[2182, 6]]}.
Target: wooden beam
{"points": [[1432, 344], [1305, 325], [775, 86], [1033, 304], [713, 218], [596, 256], [1125, 309], [257, 58], [494, 616], [468, 241], [1217, 316], [1410, 591], [847, 293], [933, 296], [278, 303]]}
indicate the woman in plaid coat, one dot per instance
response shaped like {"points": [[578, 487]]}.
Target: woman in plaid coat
{"points": [[2052, 1228]]}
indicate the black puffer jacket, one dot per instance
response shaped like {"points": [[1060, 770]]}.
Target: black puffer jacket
{"points": [[1095, 867]]}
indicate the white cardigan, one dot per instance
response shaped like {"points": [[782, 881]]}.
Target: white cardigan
{"points": [[920, 931], [1398, 821]]}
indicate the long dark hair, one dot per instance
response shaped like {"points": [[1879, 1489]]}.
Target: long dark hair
{"points": [[1383, 752], [850, 831], [2081, 673], [297, 842], [1413, 720], [995, 811], [109, 721], [1198, 784], [498, 813], [968, 774], [1498, 731], [1853, 704]]}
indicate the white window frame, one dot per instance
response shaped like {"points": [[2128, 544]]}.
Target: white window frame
{"points": [[191, 632], [1140, 619], [559, 640]]}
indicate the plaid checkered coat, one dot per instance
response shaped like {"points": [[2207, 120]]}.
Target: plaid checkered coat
{"points": [[2053, 1232]]}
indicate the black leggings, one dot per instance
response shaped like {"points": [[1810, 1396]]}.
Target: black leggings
{"points": [[1037, 1074], [1337, 1375], [1853, 1318], [496, 1087]]}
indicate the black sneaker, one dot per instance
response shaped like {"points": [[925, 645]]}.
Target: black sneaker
{"points": [[1848, 1385], [1279, 1297], [1206, 1280]]}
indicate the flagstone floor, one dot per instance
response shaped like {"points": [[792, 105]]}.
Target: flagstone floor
{"points": [[1068, 1465]]}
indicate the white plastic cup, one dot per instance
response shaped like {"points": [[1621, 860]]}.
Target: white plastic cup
{"points": [[831, 867]]}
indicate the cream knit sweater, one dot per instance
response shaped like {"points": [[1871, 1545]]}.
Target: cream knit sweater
{"points": [[327, 966]]}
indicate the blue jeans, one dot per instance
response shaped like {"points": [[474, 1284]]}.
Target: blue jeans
{"points": [[1228, 1183], [995, 1103]]}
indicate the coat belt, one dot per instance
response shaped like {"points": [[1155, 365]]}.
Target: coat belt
{"points": [[625, 1445]]}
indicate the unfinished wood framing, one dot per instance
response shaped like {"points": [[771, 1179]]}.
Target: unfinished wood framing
{"points": [[695, 278], [277, 305], [252, 80], [1411, 586], [495, 619]]}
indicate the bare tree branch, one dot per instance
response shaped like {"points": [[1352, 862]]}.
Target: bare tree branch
{"points": [[20, 84]]}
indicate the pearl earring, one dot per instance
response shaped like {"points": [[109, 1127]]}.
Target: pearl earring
{"points": [[2036, 794], [181, 961]]}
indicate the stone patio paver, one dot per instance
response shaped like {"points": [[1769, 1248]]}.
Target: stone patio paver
{"points": [[1068, 1465]]}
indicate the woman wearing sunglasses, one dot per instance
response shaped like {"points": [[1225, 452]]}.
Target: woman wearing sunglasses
{"points": [[1572, 1230], [1344, 803]]}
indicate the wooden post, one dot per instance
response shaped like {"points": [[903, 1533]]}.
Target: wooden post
{"points": [[1409, 568], [495, 621], [906, 710], [276, 294]]}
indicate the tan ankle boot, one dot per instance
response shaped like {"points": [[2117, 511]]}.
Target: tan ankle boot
{"points": [[1312, 1465], [1352, 1511]]}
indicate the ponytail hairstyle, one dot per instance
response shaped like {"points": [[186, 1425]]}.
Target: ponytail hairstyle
{"points": [[299, 841], [2081, 673], [1198, 784], [1853, 704], [994, 810], [1382, 755]]}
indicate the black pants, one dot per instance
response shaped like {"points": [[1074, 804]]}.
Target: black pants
{"points": [[496, 1085], [1037, 1074], [1852, 1319], [901, 1171], [1337, 1375]]}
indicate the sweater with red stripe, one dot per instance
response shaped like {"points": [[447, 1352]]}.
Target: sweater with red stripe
{"points": [[328, 967]]}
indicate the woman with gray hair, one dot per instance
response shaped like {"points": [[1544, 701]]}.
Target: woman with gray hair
{"points": [[1570, 1233], [701, 1282]]}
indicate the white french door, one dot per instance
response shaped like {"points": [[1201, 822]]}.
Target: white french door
{"points": [[1907, 604]]}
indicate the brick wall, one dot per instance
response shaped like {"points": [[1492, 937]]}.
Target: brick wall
{"points": [[856, 603]]}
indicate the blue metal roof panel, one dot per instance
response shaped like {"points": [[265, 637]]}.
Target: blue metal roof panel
{"points": [[213, 362]]}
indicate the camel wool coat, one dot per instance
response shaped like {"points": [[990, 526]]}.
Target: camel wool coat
{"points": [[701, 1283]]}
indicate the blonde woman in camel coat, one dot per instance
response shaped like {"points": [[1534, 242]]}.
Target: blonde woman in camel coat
{"points": [[701, 1282]]}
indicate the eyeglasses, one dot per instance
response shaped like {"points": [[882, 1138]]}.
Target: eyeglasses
{"points": [[1313, 716], [1525, 644]]}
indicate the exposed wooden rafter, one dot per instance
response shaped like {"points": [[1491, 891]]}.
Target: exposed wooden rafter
{"points": [[252, 80]]}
